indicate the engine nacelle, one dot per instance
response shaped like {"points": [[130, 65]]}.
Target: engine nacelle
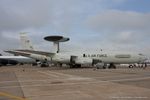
{"points": [[40, 57]]}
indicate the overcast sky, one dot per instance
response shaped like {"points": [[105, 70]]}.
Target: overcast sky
{"points": [[90, 24]]}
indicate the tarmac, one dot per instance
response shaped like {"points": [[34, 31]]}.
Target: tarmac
{"points": [[53, 83]]}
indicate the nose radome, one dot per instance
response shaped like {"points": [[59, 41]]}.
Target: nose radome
{"points": [[142, 57], [145, 58]]}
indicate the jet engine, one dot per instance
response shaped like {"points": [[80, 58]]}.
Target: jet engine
{"points": [[41, 60], [40, 57]]}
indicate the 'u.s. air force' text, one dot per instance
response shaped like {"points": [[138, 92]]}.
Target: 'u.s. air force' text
{"points": [[94, 55]]}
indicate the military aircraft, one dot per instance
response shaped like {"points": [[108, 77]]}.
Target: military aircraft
{"points": [[14, 60], [76, 59], [18, 59]]}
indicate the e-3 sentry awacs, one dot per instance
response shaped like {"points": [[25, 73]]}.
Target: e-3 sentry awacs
{"points": [[76, 59]]}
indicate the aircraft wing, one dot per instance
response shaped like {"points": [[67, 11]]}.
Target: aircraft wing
{"points": [[28, 52], [18, 53]]}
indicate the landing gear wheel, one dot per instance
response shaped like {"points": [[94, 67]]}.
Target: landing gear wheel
{"points": [[104, 67], [112, 66], [44, 65], [130, 66], [75, 66], [34, 64]]}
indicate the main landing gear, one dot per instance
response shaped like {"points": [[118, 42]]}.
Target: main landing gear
{"points": [[111, 66], [75, 65], [104, 66]]}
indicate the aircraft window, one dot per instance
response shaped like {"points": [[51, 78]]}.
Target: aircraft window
{"points": [[123, 56], [83, 55]]}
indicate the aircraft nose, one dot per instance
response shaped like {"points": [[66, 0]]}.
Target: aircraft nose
{"points": [[143, 57]]}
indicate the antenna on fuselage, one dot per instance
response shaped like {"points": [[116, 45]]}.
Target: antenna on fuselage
{"points": [[56, 40]]}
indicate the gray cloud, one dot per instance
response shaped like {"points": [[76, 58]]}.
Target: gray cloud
{"points": [[18, 15], [58, 16], [24, 15], [107, 28], [121, 26], [9, 41], [114, 20]]}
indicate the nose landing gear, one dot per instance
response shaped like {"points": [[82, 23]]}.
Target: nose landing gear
{"points": [[142, 65]]}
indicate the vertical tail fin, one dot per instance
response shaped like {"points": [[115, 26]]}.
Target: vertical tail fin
{"points": [[25, 42]]}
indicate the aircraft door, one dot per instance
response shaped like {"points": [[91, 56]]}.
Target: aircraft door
{"points": [[73, 59]]}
